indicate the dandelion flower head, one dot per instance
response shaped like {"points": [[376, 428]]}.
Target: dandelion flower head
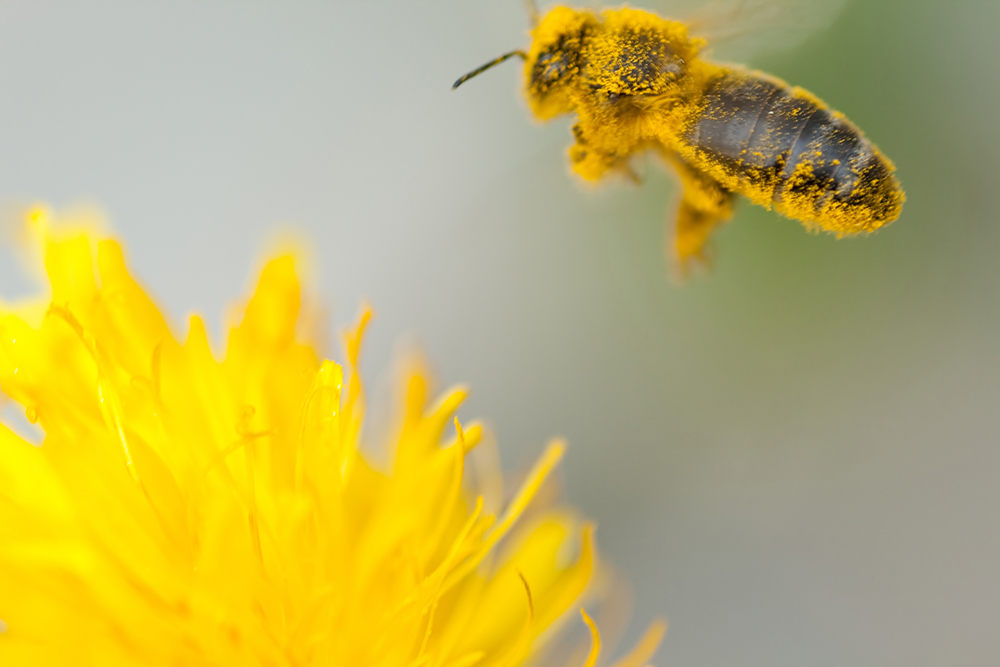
{"points": [[187, 511]]}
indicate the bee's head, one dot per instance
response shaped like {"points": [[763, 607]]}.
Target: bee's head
{"points": [[553, 64], [576, 55], [553, 61]]}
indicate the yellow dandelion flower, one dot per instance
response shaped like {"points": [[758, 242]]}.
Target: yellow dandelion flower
{"points": [[185, 511]]}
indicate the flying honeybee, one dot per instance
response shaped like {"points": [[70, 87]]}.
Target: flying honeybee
{"points": [[636, 83]]}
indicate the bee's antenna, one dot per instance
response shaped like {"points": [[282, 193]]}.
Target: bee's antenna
{"points": [[495, 61], [532, 7]]}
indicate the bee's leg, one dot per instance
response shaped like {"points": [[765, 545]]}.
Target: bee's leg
{"points": [[704, 205], [592, 163], [626, 168]]}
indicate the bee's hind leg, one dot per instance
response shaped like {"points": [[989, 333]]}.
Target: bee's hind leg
{"points": [[704, 205]]}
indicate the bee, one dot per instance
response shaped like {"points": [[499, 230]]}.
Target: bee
{"points": [[636, 83]]}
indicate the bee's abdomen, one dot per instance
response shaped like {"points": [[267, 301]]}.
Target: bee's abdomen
{"points": [[782, 146]]}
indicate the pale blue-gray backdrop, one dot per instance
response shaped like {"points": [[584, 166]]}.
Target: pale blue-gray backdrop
{"points": [[796, 456]]}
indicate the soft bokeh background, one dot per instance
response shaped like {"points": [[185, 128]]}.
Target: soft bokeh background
{"points": [[794, 456]]}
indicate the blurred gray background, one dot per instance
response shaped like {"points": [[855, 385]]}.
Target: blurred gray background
{"points": [[795, 456]]}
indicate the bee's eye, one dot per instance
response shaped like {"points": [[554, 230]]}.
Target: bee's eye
{"points": [[549, 67]]}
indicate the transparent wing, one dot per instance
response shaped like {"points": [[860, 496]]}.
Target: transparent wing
{"points": [[739, 29], [742, 29]]}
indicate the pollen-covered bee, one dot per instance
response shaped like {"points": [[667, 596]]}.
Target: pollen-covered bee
{"points": [[636, 83]]}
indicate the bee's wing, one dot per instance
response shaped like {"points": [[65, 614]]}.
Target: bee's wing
{"points": [[741, 29]]}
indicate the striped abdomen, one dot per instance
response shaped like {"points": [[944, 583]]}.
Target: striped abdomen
{"points": [[781, 146]]}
